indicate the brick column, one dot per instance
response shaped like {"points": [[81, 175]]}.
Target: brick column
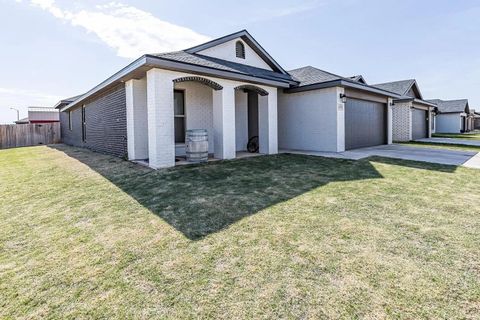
{"points": [[268, 122], [137, 126], [389, 121], [224, 122], [161, 138], [340, 109]]}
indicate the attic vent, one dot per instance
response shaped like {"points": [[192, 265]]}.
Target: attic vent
{"points": [[240, 50]]}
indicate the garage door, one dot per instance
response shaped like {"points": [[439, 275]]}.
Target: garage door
{"points": [[419, 124], [365, 124]]}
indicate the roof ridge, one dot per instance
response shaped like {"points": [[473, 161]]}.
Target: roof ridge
{"points": [[410, 80], [309, 66]]}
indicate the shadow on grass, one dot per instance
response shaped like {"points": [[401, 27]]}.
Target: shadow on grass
{"points": [[414, 164], [198, 200]]}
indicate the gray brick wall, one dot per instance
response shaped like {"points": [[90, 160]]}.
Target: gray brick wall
{"points": [[401, 122], [106, 124]]}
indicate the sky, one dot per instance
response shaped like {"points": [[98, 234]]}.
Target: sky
{"points": [[51, 50]]}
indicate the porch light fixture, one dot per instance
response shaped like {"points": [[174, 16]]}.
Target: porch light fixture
{"points": [[343, 97]]}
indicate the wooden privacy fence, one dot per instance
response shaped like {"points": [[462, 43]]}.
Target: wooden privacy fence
{"points": [[24, 135]]}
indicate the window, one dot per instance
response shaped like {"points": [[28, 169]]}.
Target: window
{"points": [[240, 50], [179, 114], [70, 120], [84, 125]]}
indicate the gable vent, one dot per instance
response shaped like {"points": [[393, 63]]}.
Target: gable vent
{"points": [[240, 50]]}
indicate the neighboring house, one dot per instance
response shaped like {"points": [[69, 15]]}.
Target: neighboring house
{"points": [[471, 120], [476, 121], [452, 115], [40, 115], [411, 115], [328, 112]]}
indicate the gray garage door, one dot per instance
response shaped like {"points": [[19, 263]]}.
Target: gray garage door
{"points": [[365, 124], [419, 124]]}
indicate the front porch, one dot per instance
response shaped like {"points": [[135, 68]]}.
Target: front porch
{"points": [[164, 104]]}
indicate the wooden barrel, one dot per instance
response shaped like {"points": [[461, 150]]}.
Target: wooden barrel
{"points": [[196, 145]]}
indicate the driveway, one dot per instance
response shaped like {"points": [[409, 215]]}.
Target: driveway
{"points": [[466, 142], [441, 156]]}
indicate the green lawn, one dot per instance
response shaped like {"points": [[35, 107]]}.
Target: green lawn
{"points": [[85, 235], [458, 147], [468, 136]]}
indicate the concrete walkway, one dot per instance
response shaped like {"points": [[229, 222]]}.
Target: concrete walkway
{"points": [[466, 142], [473, 162], [440, 156]]}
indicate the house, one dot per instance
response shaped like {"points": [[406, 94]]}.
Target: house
{"points": [[235, 90], [471, 120], [412, 116], [452, 115], [227, 86], [330, 113], [476, 120], [40, 115]]}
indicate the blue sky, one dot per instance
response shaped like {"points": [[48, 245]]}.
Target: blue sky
{"points": [[53, 49]]}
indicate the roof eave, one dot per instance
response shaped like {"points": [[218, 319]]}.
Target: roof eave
{"points": [[416, 100], [151, 61], [342, 83], [154, 61], [109, 81]]}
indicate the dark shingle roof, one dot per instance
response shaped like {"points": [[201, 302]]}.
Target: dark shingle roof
{"points": [[398, 87], [215, 63], [446, 106], [66, 101], [310, 75]]}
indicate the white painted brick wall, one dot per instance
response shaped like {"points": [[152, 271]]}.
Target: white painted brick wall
{"points": [[161, 146], [401, 122], [224, 121], [137, 119], [205, 108], [268, 122]]}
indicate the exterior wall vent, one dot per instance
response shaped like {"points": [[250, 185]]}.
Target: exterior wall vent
{"points": [[240, 50]]}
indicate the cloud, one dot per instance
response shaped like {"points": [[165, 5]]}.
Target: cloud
{"points": [[39, 96], [129, 30], [280, 12]]}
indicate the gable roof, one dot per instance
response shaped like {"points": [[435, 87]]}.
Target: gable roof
{"points": [[401, 87], [451, 106], [311, 78], [220, 64], [247, 37], [190, 61], [359, 78]]}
